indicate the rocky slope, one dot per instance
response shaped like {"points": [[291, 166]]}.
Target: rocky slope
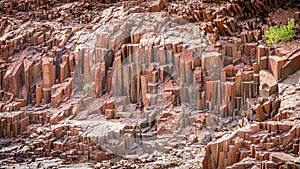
{"points": [[148, 84]]}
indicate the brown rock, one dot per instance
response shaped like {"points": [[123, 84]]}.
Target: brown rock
{"points": [[275, 64], [48, 69], [259, 112]]}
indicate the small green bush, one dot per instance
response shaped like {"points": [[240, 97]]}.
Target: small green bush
{"points": [[86, 89], [275, 34]]}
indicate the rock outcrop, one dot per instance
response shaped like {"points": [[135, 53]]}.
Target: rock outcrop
{"points": [[84, 81]]}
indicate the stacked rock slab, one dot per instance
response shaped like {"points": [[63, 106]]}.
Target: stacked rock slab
{"points": [[265, 141]]}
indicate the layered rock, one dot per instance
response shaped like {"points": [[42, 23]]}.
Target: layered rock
{"points": [[126, 81], [266, 141]]}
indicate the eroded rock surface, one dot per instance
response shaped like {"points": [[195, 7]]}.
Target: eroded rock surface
{"points": [[148, 84]]}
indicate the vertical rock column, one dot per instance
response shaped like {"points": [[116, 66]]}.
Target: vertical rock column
{"points": [[87, 62], [64, 68], [38, 95], [49, 77], [28, 65], [212, 66], [14, 78], [198, 87], [48, 70]]}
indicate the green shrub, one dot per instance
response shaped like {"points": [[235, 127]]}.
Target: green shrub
{"points": [[275, 34], [86, 89]]}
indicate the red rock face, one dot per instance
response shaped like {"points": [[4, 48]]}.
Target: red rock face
{"points": [[149, 80]]}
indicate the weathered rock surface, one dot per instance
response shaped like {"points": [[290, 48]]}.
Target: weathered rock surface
{"points": [[141, 84]]}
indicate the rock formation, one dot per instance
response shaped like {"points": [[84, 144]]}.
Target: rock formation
{"points": [[135, 82]]}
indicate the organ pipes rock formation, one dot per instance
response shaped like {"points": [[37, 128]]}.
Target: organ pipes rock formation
{"points": [[153, 81]]}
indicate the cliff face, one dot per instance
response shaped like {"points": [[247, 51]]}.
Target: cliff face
{"points": [[153, 81]]}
